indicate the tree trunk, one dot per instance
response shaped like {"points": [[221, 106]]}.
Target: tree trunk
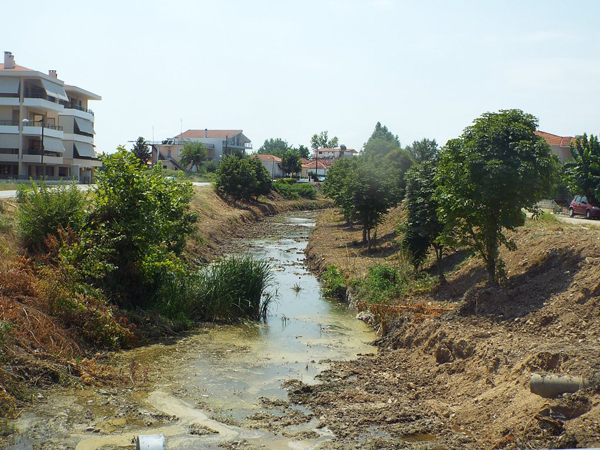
{"points": [[364, 235], [438, 259]]}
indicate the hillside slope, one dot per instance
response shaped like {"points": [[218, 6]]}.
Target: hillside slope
{"points": [[462, 380]]}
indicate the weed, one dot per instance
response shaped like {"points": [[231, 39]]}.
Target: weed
{"points": [[334, 283], [296, 288]]}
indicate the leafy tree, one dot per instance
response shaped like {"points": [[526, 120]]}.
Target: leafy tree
{"points": [[137, 229], [422, 228], [398, 162], [290, 162], [582, 173], [381, 142], [423, 150], [193, 155], [142, 151], [303, 151], [274, 146], [322, 140], [485, 178], [337, 186], [242, 178]]}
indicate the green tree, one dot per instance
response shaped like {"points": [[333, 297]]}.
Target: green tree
{"points": [[322, 140], [422, 228], [142, 151], [193, 155], [338, 184], [290, 162], [137, 229], [242, 178], [423, 150], [582, 173], [303, 151], [274, 146], [381, 142], [487, 176]]}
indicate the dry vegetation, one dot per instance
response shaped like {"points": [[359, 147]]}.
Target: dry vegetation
{"points": [[461, 379]]}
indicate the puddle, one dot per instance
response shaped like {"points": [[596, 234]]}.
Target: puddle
{"points": [[214, 379]]}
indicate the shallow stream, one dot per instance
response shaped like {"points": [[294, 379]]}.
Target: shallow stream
{"points": [[221, 386]]}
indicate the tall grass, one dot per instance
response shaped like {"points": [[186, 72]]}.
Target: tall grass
{"points": [[227, 291]]}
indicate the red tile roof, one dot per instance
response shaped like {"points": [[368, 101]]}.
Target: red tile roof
{"points": [[267, 158], [17, 67], [212, 134], [554, 140], [314, 165]]}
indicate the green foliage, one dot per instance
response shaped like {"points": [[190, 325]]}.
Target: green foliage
{"points": [[242, 178], [487, 176], [322, 140], [235, 288], [381, 285], [381, 142], [193, 155], [137, 230], [44, 210], [423, 150], [422, 226], [303, 151], [5, 328], [294, 190], [274, 146], [211, 166], [364, 188], [582, 173], [290, 162], [334, 283], [142, 151]]}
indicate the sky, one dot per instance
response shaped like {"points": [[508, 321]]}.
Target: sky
{"points": [[292, 68]]}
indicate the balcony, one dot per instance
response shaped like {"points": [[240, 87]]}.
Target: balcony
{"points": [[233, 144], [77, 107]]}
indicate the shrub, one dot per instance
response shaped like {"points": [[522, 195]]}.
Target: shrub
{"points": [[44, 210], [233, 289], [381, 284], [334, 283], [211, 166], [291, 191], [242, 178]]}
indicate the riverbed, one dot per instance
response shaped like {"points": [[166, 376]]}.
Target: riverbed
{"points": [[221, 386]]}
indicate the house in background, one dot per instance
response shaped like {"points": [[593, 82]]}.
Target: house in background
{"points": [[334, 153], [219, 143], [319, 168], [272, 163], [35, 106], [560, 145]]}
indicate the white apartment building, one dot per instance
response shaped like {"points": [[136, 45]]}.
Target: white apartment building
{"points": [[46, 128], [219, 143]]}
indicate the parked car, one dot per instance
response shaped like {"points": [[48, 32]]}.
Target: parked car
{"points": [[584, 206]]}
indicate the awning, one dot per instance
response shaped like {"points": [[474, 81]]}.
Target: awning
{"points": [[9, 85], [85, 150], [84, 125], [53, 145], [9, 141], [55, 90]]}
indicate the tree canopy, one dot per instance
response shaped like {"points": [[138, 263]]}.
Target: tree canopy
{"points": [[322, 140], [142, 151], [193, 155], [423, 150], [381, 142], [242, 178], [290, 162], [485, 178], [582, 173], [274, 146]]}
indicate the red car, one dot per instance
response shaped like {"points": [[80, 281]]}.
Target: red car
{"points": [[584, 207]]}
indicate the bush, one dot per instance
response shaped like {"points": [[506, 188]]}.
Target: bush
{"points": [[242, 178], [44, 210], [291, 191], [211, 166], [334, 283], [381, 284]]}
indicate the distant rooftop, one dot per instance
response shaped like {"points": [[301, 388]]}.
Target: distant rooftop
{"points": [[210, 134], [554, 140]]}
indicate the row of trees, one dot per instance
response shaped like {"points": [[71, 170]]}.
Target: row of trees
{"points": [[193, 155]]}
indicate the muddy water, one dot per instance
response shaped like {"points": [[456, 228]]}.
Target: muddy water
{"points": [[221, 385]]}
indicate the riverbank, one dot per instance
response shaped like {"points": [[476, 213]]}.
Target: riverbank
{"points": [[461, 381], [40, 351]]}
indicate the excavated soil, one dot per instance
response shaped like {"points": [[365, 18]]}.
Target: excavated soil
{"points": [[461, 381]]}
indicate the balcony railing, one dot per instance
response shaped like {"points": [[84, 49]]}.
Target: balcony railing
{"points": [[247, 145], [38, 123], [9, 123], [77, 107]]}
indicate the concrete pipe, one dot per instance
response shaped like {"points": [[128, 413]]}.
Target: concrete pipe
{"points": [[549, 386], [150, 442]]}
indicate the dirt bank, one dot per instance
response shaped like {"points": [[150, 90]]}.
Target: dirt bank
{"points": [[462, 380]]}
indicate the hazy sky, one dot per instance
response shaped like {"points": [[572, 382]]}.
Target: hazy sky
{"points": [[291, 68]]}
